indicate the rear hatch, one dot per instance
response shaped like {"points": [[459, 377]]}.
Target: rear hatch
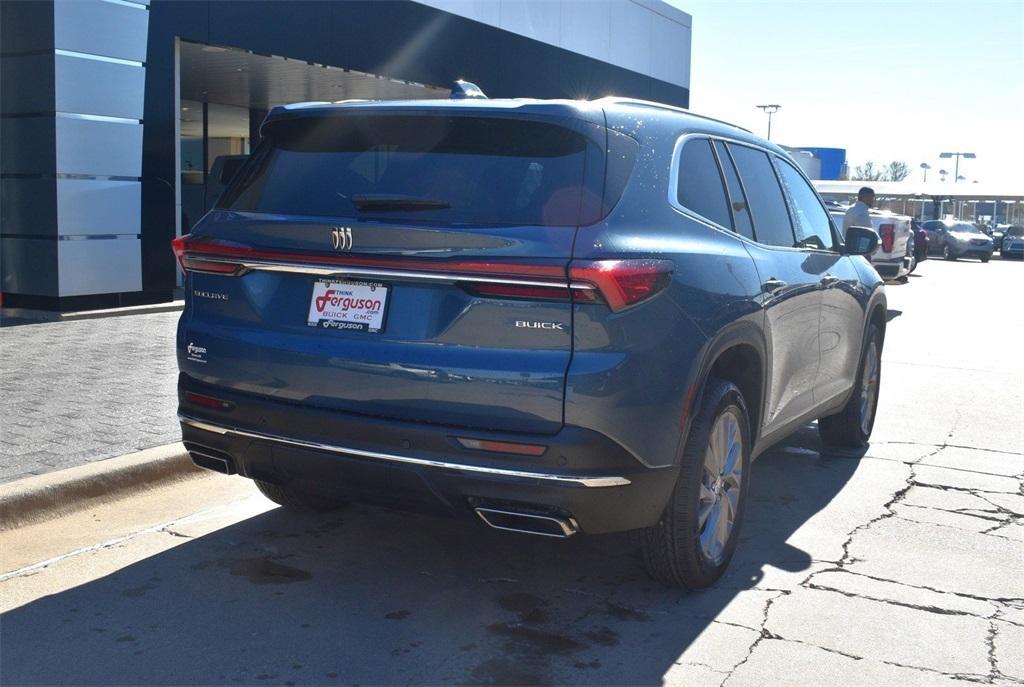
{"points": [[401, 262]]}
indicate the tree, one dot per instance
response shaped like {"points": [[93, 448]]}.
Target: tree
{"points": [[868, 172], [896, 171]]}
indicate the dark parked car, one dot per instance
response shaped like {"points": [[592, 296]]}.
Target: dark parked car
{"points": [[1013, 242], [558, 316], [953, 240]]}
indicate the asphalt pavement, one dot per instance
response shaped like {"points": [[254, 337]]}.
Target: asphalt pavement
{"points": [[898, 567]]}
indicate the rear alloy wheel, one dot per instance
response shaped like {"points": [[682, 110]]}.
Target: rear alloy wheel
{"points": [[851, 427], [947, 254], [694, 541], [299, 500]]}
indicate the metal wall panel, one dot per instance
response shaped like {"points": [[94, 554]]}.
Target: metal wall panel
{"points": [[99, 266], [99, 88], [101, 28], [27, 83], [98, 148], [28, 145], [98, 206], [619, 32], [586, 27], [539, 19], [629, 45], [29, 266], [27, 207], [668, 63]]}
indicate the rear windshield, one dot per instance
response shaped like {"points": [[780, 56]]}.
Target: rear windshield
{"points": [[430, 168]]}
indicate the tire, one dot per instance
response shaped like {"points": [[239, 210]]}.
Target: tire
{"points": [[947, 254], [986, 259], [851, 427], [298, 500], [685, 549]]}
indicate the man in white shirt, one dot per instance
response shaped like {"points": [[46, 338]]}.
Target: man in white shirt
{"points": [[858, 215]]}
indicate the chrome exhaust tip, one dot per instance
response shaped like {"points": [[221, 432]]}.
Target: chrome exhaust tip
{"points": [[208, 461], [528, 523]]}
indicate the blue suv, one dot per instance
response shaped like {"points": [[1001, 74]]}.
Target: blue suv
{"points": [[558, 316]]}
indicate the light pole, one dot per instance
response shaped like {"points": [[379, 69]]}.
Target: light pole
{"points": [[770, 110], [956, 172], [942, 174], [925, 166]]}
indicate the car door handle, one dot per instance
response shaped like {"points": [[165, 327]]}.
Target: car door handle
{"points": [[829, 280], [773, 286]]}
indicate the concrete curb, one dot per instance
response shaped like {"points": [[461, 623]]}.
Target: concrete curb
{"points": [[48, 496], [29, 316]]}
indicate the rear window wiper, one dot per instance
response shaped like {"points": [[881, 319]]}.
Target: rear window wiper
{"points": [[376, 203]]}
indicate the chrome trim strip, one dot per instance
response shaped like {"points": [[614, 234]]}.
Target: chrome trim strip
{"points": [[568, 526], [343, 271], [606, 481]]}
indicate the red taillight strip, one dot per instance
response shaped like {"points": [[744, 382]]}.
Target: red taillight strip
{"points": [[622, 283], [619, 283], [199, 255]]}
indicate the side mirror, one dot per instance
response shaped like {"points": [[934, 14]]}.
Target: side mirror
{"points": [[861, 241]]}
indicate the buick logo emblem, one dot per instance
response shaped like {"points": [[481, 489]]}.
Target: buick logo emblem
{"points": [[341, 238]]}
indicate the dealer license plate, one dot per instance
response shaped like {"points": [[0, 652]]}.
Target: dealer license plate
{"points": [[350, 305]]}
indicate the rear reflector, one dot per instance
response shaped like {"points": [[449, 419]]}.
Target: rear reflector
{"points": [[555, 292], [208, 401], [502, 446], [621, 283], [888, 232]]}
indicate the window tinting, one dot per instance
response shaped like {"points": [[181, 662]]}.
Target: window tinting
{"points": [[740, 209], [764, 195], [700, 185], [437, 169], [809, 217]]}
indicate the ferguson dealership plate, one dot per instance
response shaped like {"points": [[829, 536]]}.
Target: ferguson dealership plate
{"points": [[348, 305]]}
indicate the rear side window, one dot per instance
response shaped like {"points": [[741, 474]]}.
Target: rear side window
{"points": [[813, 229], [700, 186], [431, 168], [767, 204], [738, 199]]}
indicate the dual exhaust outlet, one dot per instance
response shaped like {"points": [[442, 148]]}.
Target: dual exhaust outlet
{"points": [[498, 518]]}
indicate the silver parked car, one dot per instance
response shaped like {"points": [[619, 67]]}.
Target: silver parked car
{"points": [[953, 240]]}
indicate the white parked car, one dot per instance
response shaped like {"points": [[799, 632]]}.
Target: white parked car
{"points": [[895, 255]]}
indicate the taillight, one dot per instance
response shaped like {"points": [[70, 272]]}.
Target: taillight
{"points": [[178, 246], [888, 232], [619, 283], [196, 256]]}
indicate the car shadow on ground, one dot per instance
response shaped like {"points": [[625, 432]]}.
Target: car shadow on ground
{"points": [[373, 596]]}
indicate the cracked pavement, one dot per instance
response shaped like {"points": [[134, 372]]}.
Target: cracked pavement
{"points": [[904, 566]]}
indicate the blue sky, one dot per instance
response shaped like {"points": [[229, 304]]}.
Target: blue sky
{"points": [[885, 80]]}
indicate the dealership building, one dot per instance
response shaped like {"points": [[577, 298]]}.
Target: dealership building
{"points": [[113, 113]]}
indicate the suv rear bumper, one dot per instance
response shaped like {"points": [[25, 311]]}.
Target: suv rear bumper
{"points": [[582, 476]]}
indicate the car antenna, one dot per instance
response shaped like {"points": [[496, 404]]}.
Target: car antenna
{"points": [[466, 90]]}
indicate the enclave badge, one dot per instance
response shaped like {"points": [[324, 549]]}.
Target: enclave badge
{"points": [[341, 238]]}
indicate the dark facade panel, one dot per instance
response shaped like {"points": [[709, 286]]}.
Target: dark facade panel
{"points": [[26, 26]]}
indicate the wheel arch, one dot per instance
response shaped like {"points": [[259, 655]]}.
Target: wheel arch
{"points": [[737, 354]]}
